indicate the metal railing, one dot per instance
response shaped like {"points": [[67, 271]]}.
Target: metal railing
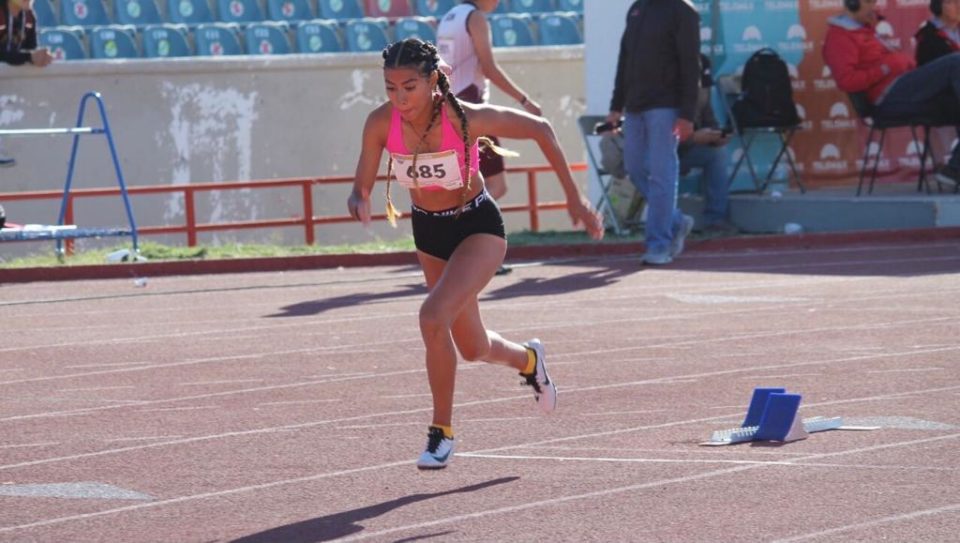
{"points": [[308, 221]]}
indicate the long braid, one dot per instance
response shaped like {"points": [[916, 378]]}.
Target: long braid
{"points": [[444, 84]]}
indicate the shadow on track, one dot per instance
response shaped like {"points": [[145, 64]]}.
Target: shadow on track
{"points": [[347, 523]]}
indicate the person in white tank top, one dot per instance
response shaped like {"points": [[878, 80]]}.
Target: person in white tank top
{"points": [[464, 42]]}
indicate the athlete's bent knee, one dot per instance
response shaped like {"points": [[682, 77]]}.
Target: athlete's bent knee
{"points": [[433, 321], [474, 351]]}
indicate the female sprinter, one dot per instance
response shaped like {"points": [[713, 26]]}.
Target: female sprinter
{"points": [[457, 228]]}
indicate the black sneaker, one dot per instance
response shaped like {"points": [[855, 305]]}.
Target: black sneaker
{"points": [[6, 160], [949, 175], [504, 270]]}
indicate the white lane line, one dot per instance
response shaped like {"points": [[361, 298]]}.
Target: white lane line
{"points": [[400, 396], [904, 370], [94, 389], [224, 382], [105, 365], [420, 423], [624, 460], [27, 445], [872, 523], [703, 452], [143, 438], [618, 413], [187, 408], [612, 491], [628, 460], [298, 402], [783, 376]]}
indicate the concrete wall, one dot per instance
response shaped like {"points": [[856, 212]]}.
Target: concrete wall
{"points": [[196, 120]]}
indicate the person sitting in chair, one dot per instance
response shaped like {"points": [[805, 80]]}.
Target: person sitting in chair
{"points": [[706, 149], [861, 61], [940, 35]]}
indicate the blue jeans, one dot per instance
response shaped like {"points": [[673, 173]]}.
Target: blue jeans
{"points": [[914, 92], [713, 161], [650, 134]]}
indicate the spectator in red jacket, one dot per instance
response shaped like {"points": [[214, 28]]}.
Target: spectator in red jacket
{"points": [[861, 61], [940, 35], [18, 43]]}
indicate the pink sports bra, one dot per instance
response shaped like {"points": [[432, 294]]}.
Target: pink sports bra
{"points": [[450, 140]]}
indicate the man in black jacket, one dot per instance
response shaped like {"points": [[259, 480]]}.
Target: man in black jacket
{"points": [[655, 90], [940, 35], [18, 43]]}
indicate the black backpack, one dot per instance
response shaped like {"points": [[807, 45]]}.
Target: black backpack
{"points": [[766, 98]]}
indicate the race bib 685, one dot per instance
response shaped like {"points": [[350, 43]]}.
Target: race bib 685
{"points": [[441, 169]]}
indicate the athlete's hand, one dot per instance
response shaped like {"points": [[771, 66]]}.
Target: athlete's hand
{"points": [[582, 213], [359, 207]]}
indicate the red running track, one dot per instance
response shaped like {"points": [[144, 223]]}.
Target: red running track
{"points": [[278, 407]]}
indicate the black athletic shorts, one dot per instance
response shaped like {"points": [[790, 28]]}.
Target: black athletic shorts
{"points": [[438, 233]]}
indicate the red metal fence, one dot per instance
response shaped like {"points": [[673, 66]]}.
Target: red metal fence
{"points": [[308, 221]]}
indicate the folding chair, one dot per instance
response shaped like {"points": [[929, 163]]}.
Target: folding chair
{"points": [[729, 89], [591, 140], [936, 116]]}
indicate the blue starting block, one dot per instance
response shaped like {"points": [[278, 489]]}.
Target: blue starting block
{"points": [[773, 416]]}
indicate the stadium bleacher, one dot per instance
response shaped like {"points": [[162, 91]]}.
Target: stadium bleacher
{"points": [[45, 13], [113, 41], [139, 13], [108, 29], [218, 39], [166, 40]]}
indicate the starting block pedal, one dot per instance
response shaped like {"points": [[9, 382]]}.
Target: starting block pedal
{"points": [[772, 416]]}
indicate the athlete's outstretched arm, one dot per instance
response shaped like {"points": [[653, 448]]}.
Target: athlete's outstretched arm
{"points": [[371, 151], [515, 124]]}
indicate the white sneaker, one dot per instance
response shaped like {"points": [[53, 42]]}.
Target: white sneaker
{"points": [[545, 391], [686, 226], [439, 450]]}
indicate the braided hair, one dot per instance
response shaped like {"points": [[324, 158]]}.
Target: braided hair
{"points": [[423, 57]]}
